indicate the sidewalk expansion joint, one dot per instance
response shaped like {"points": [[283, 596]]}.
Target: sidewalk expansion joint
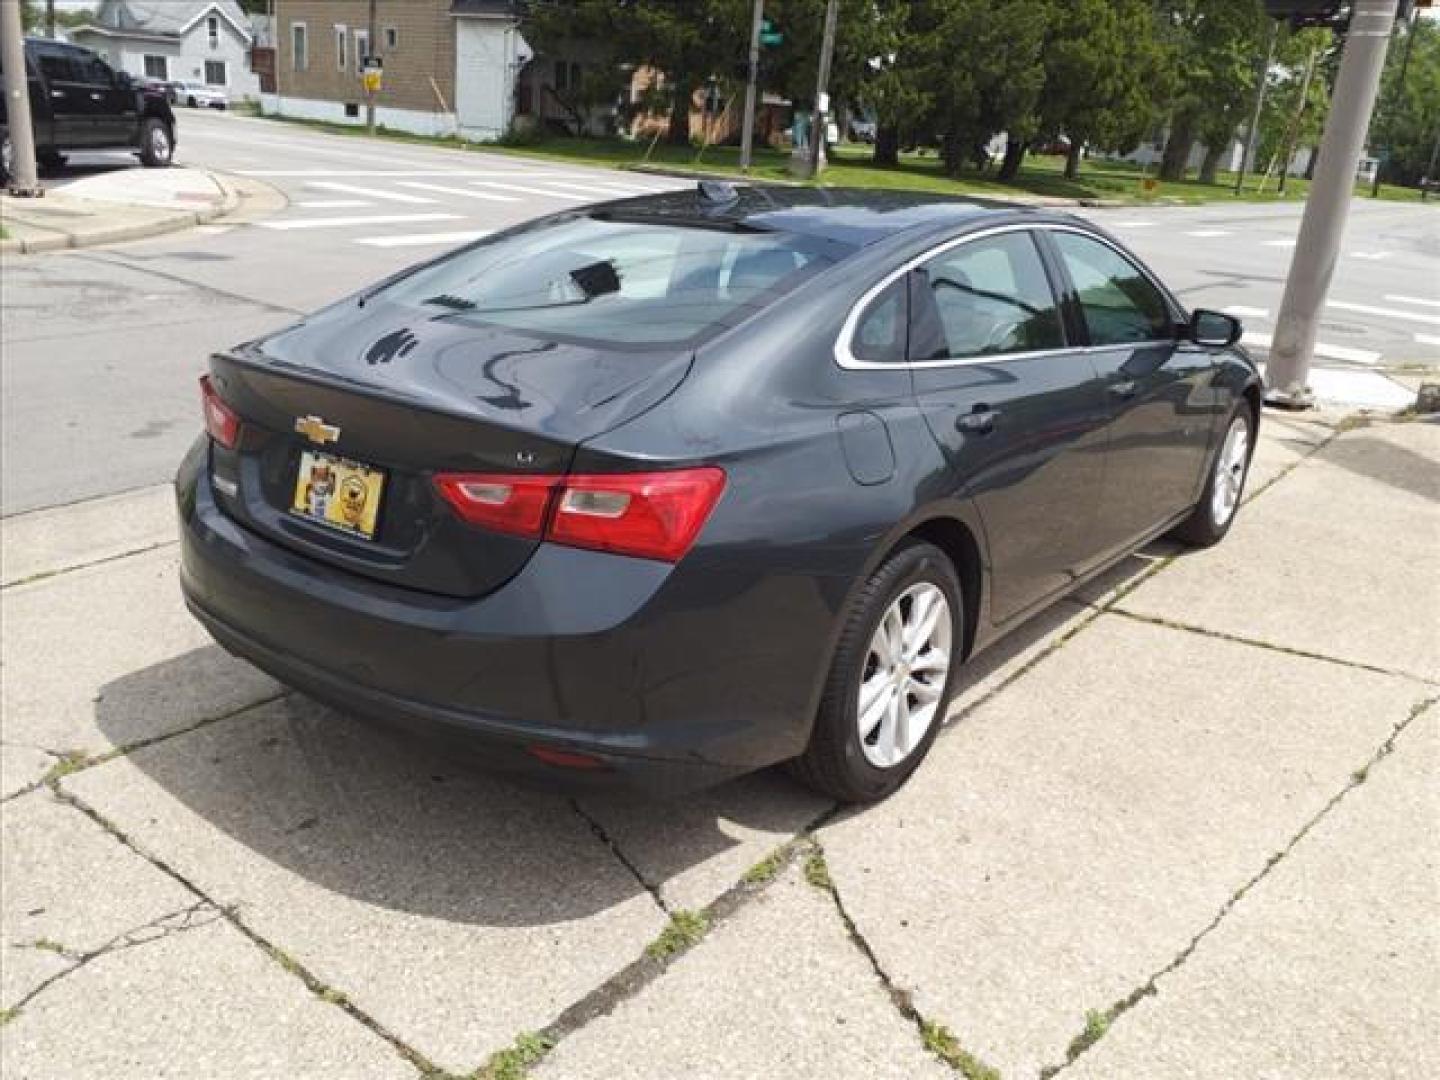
{"points": [[231, 915], [60, 571], [609, 841], [685, 930], [69, 762], [934, 1036], [1099, 1022], [1304, 654]]}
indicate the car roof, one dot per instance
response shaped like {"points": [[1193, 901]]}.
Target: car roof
{"points": [[852, 216]]}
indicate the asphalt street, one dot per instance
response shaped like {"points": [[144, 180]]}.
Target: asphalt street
{"points": [[102, 348]]}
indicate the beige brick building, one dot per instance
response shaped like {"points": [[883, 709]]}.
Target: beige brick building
{"points": [[450, 66]]}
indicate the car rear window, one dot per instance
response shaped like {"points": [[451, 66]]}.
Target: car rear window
{"points": [[612, 282]]}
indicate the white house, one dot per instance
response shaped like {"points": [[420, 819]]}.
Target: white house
{"points": [[206, 41]]}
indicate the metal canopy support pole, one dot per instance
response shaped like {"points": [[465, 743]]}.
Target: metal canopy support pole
{"points": [[23, 179], [747, 137], [1323, 226]]}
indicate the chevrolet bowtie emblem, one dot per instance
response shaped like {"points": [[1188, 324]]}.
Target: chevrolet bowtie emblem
{"points": [[316, 429]]}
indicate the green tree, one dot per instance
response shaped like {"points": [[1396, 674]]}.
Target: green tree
{"points": [[1407, 117], [1217, 48], [1104, 70]]}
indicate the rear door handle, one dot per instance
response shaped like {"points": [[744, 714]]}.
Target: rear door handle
{"points": [[980, 420], [1122, 390], [57, 93], [96, 97]]}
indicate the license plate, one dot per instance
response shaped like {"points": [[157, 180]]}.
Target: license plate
{"points": [[338, 493]]}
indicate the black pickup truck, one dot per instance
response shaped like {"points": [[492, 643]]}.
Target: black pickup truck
{"points": [[79, 102]]}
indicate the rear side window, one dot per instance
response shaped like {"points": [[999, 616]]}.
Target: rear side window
{"points": [[1121, 306], [60, 67], [880, 334], [988, 297], [610, 282]]}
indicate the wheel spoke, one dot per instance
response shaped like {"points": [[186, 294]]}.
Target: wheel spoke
{"points": [[924, 628], [931, 660], [924, 692], [899, 728], [873, 701]]}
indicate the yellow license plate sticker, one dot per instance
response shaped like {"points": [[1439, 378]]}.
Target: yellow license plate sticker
{"points": [[342, 494]]}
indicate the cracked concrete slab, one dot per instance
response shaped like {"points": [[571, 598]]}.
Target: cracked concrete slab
{"points": [[50, 541], [198, 1003], [776, 990], [694, 849], [20, 767], [107, 656], [1312, 545], [1285, 440], [64, 880], [1074, 834], [455, 908], [1330, 966]]}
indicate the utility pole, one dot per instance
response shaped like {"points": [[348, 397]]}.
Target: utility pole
{"points": [[1294, 132], [50, 19], [747, 137], [371, 39], [23, 179], [1400, 94], [1252, 137], [1323, 226], [822, 98]]}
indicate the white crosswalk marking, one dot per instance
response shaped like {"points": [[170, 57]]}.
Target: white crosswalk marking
{"points": [[1373, 256], [465, 193], [1427, 339], [1208, 234], [1280, 243], [423, 239], [1412, 300], [532, 190], [331, 204], [1240, 311], [391, 174], [349, 222], [1387, 313], [1328, 352], [369, 193], [1133, 224], [595, 190]]}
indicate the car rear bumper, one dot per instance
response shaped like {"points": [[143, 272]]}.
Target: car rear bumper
{"points": [[581, 651]]}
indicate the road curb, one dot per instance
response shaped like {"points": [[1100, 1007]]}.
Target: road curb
{"points": [[183, 219]]}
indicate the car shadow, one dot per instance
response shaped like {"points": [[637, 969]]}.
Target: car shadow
{"points": [[412, 826], [424, 829], [1384, 462]]}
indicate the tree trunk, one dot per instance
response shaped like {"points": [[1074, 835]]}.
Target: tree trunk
{"points": [[887, 145], [952, 154], [1177, 151], [1072, 161], [1211, 165], [1014, 156], [679, 130]]}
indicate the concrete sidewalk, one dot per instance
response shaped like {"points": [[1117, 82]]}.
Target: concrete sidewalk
{"points": [[1183, 825], [113, 204]]}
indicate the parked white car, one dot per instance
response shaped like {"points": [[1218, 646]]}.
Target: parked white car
{"points": [[199, 96]]}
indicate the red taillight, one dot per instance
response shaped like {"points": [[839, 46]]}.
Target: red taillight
{"points": [[505, 503], [221, 421], [566, 759], [653, 515]]}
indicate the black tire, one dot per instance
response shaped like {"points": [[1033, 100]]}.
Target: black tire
{"points": [[157, 144], [835, 763], [191, 103], [1203, 528], [7, 155], [50, 160]]}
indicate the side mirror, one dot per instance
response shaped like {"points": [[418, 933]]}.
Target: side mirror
{"points": [[1214, 329], [124, 80]]}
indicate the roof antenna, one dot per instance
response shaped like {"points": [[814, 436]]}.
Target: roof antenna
{"points": [[717, 191]]}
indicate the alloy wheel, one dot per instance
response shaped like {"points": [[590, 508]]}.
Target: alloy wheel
{"points": [[1230, 467], [906, 668], [160, 142]]}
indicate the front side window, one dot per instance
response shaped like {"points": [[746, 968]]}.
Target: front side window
{"points": [[1121, 306], [988, 297], [611, 282], [59, 67], [157, 67]]}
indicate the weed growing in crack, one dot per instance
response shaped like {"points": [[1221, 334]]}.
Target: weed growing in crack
{"points": [[947, 1048], [514, 1062], [766, 869], [50, 945], [816, 872], [1096, 1024], [685, 929], [6, 1015], [69, 761]]}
